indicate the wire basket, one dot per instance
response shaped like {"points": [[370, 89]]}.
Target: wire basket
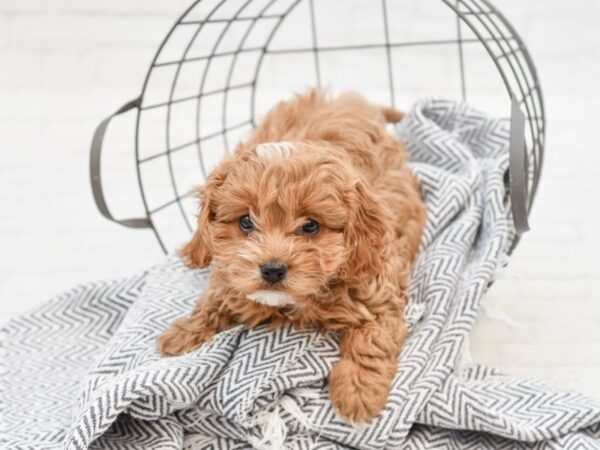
{"points": [[225, 62]]}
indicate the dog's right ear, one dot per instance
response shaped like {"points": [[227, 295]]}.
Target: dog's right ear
{"points": [[197, 252]]}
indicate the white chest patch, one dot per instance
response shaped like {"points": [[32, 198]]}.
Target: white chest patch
{"points": [[271, 298], [275, 150]]}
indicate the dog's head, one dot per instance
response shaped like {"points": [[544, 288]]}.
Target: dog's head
{"points": [[284, 222]]}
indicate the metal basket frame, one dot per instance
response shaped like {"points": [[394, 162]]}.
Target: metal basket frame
{"points": [[500, 40]]}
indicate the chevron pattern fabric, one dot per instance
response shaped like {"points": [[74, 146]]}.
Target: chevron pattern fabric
{"points": [[83, 371]]}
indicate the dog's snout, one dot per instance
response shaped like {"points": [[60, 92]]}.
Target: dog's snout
{"points": [[273, 272]]}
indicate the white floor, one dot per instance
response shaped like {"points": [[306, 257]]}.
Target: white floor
{"points": [[65, 64]]}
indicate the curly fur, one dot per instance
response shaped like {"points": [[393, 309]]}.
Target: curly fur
{"points": [[335, 164]]}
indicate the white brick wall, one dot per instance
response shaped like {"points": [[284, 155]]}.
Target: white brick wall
{"points": [[65, 64]]}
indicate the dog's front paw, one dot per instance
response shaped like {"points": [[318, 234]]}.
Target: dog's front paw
{"points": [[180, 339], [357, 394]]}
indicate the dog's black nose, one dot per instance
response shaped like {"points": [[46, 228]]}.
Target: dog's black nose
{"points": [[273, 272]]}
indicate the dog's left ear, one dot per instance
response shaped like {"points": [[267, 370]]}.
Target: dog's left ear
{"points": [[365, 233]]}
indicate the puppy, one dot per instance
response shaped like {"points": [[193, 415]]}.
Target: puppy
{"points": [[315, 220]]}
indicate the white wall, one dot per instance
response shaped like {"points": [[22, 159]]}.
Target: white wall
{"points": [[65, 64]]}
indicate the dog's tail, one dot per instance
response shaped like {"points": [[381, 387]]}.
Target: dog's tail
{"points": [[391, 115]]}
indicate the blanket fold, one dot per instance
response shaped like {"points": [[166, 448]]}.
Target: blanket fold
{"points": [[82, 371]]}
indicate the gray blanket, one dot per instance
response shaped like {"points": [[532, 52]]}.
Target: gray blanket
{"points": [[82, 371]]}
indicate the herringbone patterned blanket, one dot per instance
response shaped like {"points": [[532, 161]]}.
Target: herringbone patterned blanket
{"points": [[82, 371]]}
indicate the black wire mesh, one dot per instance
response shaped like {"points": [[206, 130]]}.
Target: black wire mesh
{"points": [[225, 62]]}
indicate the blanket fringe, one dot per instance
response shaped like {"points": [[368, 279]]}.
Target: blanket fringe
{"points": [[273, 428], [511, 275]]}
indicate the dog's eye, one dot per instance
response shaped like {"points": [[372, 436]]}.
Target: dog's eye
{"points": [[310, 227], [246, 224]]}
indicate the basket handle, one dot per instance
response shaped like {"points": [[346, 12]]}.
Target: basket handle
{"points": [[95, 158], [517, 168]]}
